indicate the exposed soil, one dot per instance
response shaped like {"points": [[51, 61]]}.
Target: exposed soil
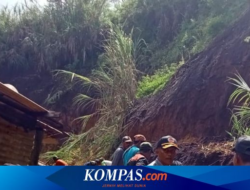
{"points": [[193, 105], [195, 101], [205, 152]]}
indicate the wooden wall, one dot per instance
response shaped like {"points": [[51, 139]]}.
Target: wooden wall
{"points": [[15, 144]]}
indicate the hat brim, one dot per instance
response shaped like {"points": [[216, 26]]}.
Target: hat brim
{"points": [[169, 146], [147, 149], [128, 141]]}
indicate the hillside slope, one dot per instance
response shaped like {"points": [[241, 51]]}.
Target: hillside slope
{"points": [[194, 103]]}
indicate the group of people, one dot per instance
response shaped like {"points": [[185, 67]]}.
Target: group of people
{"points": [[139, 152]]}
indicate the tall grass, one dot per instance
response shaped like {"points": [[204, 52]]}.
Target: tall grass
{"points": [[116, 84], [181, 28], [56, 36]]}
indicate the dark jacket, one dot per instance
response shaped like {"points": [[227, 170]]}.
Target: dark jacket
{"points": [[117, 157]]}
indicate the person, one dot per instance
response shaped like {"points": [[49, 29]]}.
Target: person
{"points": [[117, 156], [131, 151], [242, 151], [166, 150], [141, 158], [59, 162]]}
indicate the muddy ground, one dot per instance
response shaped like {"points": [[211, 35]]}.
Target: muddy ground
{"points": [[206, 152]]}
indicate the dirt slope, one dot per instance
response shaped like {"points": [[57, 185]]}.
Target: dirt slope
{"points": [[194, 103]]}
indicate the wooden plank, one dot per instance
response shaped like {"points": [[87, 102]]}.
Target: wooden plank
{"points": [[49, 128], [16, 117], [20, 103], [49, 121], [6, 100], [15, 144], [37, 147], [20, 99]]}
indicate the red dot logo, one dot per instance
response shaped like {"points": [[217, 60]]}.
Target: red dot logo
{"points": [[143, 179]]}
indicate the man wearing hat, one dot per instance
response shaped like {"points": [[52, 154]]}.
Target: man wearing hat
{"points": [[166, 150], [242, 151], [131, 151], [117, 156], [141, 158]]}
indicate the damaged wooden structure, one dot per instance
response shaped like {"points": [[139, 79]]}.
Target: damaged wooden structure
{"points": [[23, 127]]}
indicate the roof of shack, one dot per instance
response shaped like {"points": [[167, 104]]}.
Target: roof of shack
{"points": [[19, 105]]}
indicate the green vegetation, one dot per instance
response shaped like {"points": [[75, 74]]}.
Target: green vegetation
{"points": [[176, 29], [115, 82], [58, 36], [93, 38], [241, 114], [152, 84], [69, 35]]}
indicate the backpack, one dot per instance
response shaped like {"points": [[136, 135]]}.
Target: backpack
{"points": [[133, 161]]}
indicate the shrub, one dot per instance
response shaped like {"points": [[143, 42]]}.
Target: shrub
{"points": [[152, 84]]}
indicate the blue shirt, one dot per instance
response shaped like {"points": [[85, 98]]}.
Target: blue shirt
{"points": [[129, 153]]}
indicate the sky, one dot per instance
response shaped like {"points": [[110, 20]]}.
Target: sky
{"points": [[13, 2]]}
